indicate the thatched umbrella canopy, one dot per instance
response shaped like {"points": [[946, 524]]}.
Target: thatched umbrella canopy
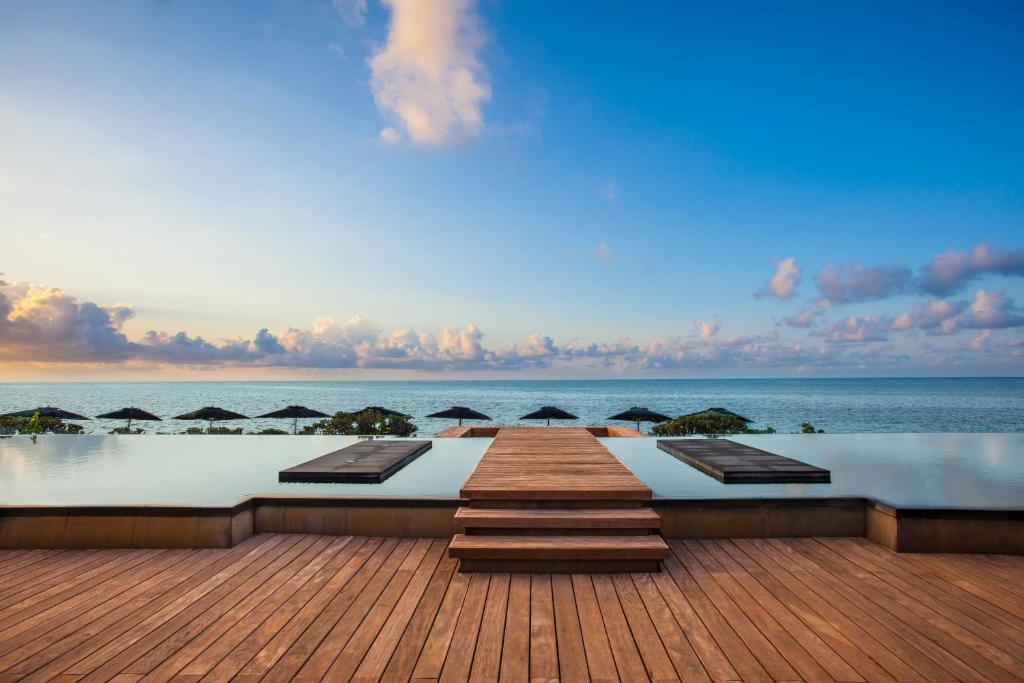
{"points": [[48, 411], [549, 413], [638, 415], [129, 414], [211, 414], [460, 413], [294, 413]]}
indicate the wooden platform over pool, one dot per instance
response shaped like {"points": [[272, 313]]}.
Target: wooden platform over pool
{"points": [[554, 499], [307, 607], [735, 463], [369, 461]]}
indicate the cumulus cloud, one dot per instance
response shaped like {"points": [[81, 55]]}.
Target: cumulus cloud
{"points": [[952, 270], [992, 310], [784, 282], [44, 324], [868, 328], [855, 283], [707, 329], [604, 253], [939, 315], [428, 74]]}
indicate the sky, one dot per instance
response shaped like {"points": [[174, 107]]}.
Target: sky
{"points": [[459, 188]]}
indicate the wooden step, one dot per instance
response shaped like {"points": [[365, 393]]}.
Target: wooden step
{"points": [[547, 548], [635, 518]]}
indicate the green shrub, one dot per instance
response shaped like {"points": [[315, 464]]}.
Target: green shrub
{"points": [[213, 430], [271, 430], [707, 422], [126, 430], [38, 425], [365, 423]]}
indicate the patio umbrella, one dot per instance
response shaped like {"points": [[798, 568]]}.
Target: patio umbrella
{"points": [[460, 413], [295, 412], [129, 414], [640, 415], [387, 412], [48, 412], [549, 413], [211, 414]]}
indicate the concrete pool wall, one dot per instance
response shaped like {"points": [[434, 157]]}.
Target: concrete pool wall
{"points": [[901, 530]]}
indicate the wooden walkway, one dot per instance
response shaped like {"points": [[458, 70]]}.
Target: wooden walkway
{"points": [[551, 463], [281, 607], [565, 504]]}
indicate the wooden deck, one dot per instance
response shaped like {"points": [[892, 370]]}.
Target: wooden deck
{"points": [[735, 463], [551, 463], [333, 608], [367, 461], [554, 499]]}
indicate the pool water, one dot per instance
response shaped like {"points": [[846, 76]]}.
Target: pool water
{"points": [[980, 471], [905, 470], [203, 470]]}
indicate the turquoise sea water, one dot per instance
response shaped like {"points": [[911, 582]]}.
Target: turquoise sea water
{"points": [[835, 405]]}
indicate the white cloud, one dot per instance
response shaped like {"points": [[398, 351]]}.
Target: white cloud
{"points": [[352, 12], [604, 253], [708, 328], [390, 135], [853, 283], [981, 341], [784, 282], [428, 75], [952, 270]]}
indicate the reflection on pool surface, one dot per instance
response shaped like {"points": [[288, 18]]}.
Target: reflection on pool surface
{"points": [[203, 470], [904, 470]]}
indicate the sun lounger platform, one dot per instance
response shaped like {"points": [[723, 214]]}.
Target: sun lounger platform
{"points": [[734, 463], [367, 462]]}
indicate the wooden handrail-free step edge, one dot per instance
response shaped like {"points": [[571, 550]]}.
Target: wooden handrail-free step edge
{"points": [[640, 518], [558, 547]]}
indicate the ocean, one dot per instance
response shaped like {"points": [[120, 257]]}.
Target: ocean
{"points": [[835, 405]]}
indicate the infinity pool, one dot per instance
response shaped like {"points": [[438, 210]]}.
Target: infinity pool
{"points": [[203, 470], [981, 471], [906, 470]]}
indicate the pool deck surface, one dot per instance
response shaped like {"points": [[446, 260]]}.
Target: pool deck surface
{"points": [[337, 608]]}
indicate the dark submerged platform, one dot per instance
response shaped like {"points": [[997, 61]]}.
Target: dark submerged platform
{"points": [[370, 462], [735, 463]]}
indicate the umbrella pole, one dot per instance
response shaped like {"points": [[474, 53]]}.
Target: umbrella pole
{"points": [[638, 425], [295, 427], [460, 421], [129, 424]]}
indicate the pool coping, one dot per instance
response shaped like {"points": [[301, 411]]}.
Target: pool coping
{"points": [[907, 529]]}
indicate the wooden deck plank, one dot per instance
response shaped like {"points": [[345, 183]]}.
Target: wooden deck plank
{"points": [[90, 644], [572, 657], [411, 640], [600, 661], [742, 622], [515, 647], [409, 582], [959, 659], [310, 607], [487, 660], [543, 648]]}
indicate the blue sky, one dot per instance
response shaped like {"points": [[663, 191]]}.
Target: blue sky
{"points": [[480, 172]]}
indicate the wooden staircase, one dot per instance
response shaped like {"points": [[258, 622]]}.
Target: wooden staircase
{"points": [[555, 500]]}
